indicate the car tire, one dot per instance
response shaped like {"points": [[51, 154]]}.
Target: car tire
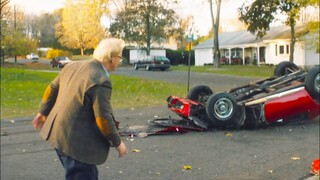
{"points": [[285, 68], [198, 92], [135, 66], [223, 110], [312, 82], [148, 68]]}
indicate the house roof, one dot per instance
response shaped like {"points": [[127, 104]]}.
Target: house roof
{"points": [[241, 38]]}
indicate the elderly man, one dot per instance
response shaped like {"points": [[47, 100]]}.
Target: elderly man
{"points": [[76, 115]]}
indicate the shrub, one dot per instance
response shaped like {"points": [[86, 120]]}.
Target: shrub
{"points": [[57, 52]]}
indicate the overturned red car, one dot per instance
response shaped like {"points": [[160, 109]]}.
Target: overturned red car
{"points": [[290, 94]]}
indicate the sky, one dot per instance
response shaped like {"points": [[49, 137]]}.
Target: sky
{"points": [[198, 8]]}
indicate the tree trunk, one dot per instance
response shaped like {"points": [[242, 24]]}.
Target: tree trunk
{"points": [[148, 28], [81, 51], [293, 40], [215, 30], [216, 35]]}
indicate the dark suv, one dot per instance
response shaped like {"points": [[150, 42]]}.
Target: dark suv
{"points": [[153, 62]]}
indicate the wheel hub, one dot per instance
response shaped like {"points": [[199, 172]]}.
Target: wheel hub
{"points": [[223, 108]]}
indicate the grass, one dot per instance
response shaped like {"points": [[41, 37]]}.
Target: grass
{"points": [[22, 86], [22, 89], [237, 70]]}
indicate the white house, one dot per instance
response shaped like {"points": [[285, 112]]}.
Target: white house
{"points": [[273, 48]]}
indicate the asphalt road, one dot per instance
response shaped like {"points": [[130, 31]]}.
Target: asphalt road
{"points": [[283, 152], [215, 81]]}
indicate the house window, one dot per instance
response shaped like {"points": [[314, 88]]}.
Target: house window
{"points": [[287, 48], [281, 49]]}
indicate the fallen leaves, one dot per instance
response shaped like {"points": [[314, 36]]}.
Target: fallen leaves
{"points": [[187, 167], [136, 150], [295, 158]]}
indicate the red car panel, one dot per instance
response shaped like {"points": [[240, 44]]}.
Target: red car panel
{"points": [[291, 105]]}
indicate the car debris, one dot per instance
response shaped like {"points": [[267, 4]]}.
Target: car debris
{"points": [[290, 94]]}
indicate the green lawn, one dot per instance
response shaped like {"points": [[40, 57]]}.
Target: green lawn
{"points": [[21, 91], [22, 86]]}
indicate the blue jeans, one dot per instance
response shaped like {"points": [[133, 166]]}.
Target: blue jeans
{"points": [[76, 170]]}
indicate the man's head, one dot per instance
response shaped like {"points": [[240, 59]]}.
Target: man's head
{"points": [[108, 52]]}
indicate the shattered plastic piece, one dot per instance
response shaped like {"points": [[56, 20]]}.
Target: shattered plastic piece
{"points": [[142, 134], [187, 167], [136, 150], [315, 167], [270, 171], [295, 158], [12, 121]]}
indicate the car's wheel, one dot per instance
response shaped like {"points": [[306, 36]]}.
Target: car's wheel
{"points": [[198, 92], [312, 82], [223, 110], [135, 66], [148, 68], [285, 68]]}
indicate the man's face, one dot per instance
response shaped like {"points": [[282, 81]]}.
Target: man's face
{"points": [[116, 60]]}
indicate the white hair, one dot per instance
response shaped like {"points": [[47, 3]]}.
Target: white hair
{"points": [[108, 47]]}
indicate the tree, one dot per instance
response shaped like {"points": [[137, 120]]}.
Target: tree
{"points": [[260, 14], [145, 22], [14, 36], [215, 29], [80, 26]]}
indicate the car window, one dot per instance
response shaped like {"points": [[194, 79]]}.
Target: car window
{"points": [[161, 58]]}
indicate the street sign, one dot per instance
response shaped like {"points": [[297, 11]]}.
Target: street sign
{"points": [[189, 38]]}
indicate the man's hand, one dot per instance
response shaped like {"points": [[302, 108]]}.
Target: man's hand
{"points": [[38, 121], [122, 149]]}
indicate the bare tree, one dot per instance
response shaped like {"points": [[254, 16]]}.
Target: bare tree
{"points": [[215, 18]]}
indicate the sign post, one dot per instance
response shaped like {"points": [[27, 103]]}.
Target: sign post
{"points": [[189, 39]]}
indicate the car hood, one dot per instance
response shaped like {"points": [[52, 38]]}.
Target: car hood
{"points": [[65, 61]]}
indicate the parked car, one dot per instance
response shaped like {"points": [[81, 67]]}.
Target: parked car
{"points": [[290, 94], [59, 61], [33, 56], [152, 62]]}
